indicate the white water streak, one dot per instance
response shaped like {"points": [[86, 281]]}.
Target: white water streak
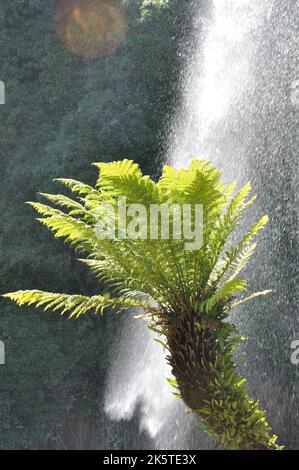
{"points": [[139, 378], [218, 82]]}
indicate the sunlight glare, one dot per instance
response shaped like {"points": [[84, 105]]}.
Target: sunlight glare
{"points": [[91, 28]]}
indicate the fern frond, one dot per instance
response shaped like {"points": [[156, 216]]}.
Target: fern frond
{"points": [[235, 256], [237, 264], [124, 178], [79, 234], [74, 305], [78, 187], [45, 210], [197, 185], [253, 231], [224, 295], [65, 202], [230, 289], [250, 297]]}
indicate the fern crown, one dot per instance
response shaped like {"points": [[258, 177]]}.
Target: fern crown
{"points": [[144, 272]]}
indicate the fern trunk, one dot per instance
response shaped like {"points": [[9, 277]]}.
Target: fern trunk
{"points": [[210, 385]]}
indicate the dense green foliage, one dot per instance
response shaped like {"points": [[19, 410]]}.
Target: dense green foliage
{"points": [[62, 113], [187, 295]]}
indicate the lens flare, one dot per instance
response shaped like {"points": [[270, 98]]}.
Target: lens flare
{"points": [[91, 28]]}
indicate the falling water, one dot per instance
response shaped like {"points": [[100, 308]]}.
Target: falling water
{"points": [[239, 108], [218, 85], [138, 379]]}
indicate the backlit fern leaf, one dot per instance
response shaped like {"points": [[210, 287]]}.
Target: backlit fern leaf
{"points": [[73, 305]]}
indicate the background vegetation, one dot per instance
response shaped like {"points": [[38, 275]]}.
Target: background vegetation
{"points": [[62, 113]]}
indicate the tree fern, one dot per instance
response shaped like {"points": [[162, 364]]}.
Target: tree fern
{"points": [[186, 295]]}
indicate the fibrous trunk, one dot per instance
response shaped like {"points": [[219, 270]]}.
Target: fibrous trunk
{"points": [[210, 385]]}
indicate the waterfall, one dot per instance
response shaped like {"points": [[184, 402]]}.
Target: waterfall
{"points": [[138, 378], [217, 83], [236, 110]]}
